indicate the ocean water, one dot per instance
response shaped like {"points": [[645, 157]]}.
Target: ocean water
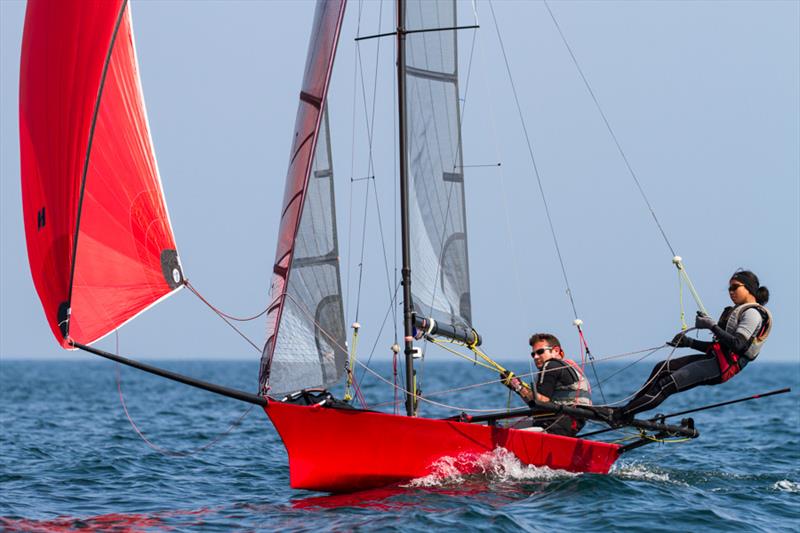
{"points": [[71, 460]]}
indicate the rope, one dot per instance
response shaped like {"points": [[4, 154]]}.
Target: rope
{"points": [[422, 398], [157, 448], [610, 130], [458, 354], [489, 363], [550, 222], [221, 313], [391, 309], [227, 318], [676, 258], [684, 326], [533, 162], [648, 354], [585, 346], [678, 262], [646, 383], [351, 362], [512, 248], [369, 119]]}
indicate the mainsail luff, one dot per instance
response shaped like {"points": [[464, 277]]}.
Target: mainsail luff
{"points": [[438, 229], [100, 244], [309, 350]]}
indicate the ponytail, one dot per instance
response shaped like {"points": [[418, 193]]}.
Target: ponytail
{"points": [[762, 295]]}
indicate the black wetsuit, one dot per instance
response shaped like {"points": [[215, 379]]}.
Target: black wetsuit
{"points": [[674, 375], [688, 372], [555, 374]]}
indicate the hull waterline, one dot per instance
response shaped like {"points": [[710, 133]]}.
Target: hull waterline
{"points": [[343, 450]]}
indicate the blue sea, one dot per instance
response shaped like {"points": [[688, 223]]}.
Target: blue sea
{"points": [[71, 460]]}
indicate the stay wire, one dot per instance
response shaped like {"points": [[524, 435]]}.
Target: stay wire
{"points": [[533, 161], [610, 129], [352, 163], [511, 242], [370, 127], [380, 330]]}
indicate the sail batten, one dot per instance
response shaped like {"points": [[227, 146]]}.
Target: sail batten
{"points": [[305, 322], [100, 243]]}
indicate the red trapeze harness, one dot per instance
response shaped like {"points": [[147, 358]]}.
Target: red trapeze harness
{"points": [[731, 363]]}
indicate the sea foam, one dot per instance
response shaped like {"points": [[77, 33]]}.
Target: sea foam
{"points": [[498, 465]]}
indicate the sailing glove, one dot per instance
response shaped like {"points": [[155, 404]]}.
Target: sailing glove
{"points": [[681, 340], [703, 321]]}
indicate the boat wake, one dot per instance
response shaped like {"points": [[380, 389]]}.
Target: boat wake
{"points": [[785, 485], [637, 471], [499, 465]]}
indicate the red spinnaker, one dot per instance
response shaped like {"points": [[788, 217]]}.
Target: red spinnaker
{"points": [[100, 244], [344, 450]]}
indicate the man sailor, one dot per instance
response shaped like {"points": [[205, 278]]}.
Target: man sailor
{"points": [[560, 381]]}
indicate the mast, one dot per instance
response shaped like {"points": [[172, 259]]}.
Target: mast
{"points": [[408, 321]]}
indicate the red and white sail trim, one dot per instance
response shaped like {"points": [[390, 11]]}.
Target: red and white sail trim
{"points": [[305, 329], [100, 243]]}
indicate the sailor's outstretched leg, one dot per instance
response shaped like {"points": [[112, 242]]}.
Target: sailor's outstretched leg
{"points": [[669, 377]]}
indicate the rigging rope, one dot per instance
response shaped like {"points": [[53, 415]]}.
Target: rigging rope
{"points": [[610, 129], [537, 174], [227, 318], [369, 119], [533, 160], [676, 259], [487, 361], [152, 445]]}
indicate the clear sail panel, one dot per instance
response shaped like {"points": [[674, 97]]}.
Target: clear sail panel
{"points": [[310, 350], [439, 265], [305, 324]]}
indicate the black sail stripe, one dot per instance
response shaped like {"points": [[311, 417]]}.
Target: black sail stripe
{"points": [[88, 155]]}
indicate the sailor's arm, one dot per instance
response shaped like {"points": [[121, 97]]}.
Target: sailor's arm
{"points": [[737, 342], [517, 385]]}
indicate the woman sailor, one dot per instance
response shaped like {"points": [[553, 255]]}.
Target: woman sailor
{"points": [[738, 337]]}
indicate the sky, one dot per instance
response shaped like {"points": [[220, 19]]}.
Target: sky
{"points": [[703, 97]]}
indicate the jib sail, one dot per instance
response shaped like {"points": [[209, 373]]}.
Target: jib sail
{"points": [[437, 220], [305, 321], [100, 243]]}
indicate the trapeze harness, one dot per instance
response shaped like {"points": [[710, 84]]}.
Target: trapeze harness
{"points": [[731, 363], [579, 392]]}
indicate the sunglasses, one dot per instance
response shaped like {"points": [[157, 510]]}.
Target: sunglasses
{"points": [[540, 351], [734, 288]]}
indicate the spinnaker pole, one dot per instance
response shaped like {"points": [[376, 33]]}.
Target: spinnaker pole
{"points": [[408, 317], [242, 396]]}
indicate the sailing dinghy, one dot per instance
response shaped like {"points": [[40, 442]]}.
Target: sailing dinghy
{"points": [[101, 247]]}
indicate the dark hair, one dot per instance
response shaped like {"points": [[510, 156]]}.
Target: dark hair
{"points": [[552, 340], [750, 282]]}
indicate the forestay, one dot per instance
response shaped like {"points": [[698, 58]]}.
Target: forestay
{"points": [[100, 243], [305, 320], [439, 266]]}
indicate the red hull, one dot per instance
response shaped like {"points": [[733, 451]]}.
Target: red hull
{"points": [[340, 450]]}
